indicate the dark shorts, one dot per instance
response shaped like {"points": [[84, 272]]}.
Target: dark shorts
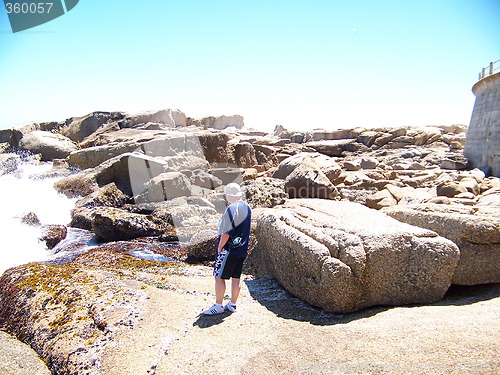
{"points": [[228, 265]]}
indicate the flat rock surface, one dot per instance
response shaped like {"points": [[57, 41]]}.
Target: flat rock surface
{"points": [[150, 323], [18, 358], [273, 332]]}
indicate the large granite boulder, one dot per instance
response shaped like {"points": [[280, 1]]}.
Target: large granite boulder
{"points": [[477, 237], [343, 257], [49, 145]]}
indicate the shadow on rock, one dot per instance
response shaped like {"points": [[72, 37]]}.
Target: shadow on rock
{"points": [[269, 293], [206, 321], [460, 295]]}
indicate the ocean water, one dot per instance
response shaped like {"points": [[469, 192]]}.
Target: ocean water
{"points": [[22, 192]]}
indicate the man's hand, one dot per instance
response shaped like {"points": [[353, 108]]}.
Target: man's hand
{"points": [[223, 240]]}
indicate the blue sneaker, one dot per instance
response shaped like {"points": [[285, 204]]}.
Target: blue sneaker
{"points": [[214, 310], [231, 307]]}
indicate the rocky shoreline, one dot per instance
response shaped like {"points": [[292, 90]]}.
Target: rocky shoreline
{"points": [[346, 220]]}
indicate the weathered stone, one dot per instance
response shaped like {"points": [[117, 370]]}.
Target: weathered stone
{"points": [[380, 200], [471, 185], [308, 181], [4, 146], [450, 189], [368, 138], [383, 139], [324, 163], [320, 134], [244, 155], [337, 147], [369, 163], [214, 146], [222, 122], [347, 257], [205, 180], [165, 186], [78, 128], [108, 196], [91, 157], [168, 117], [456, 162], [31, 219], [228, 175], [113, 224], [399, 193], [352, 165], [18, 358], [477, 237], [203, 246], [49, 145], [265, 192]]}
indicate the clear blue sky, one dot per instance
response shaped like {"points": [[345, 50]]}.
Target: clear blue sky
{"points": [[303, 64]]}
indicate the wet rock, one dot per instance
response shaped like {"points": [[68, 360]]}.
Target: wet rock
{"points": [[113, 224], [9, 163], [53, 234], [49, 145], [31, 219], [346, 257], [203, 246], [109, 196]]}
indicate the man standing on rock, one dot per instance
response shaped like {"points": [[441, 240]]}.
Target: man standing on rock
{"points": [[234, 232]]}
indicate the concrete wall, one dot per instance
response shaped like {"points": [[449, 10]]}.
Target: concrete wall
{"points": [[482, 146]]}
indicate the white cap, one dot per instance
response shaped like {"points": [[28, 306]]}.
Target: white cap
{"points": [[233, 189]]}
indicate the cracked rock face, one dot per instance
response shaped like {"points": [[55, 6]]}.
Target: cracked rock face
{"points": [[342, 256]]}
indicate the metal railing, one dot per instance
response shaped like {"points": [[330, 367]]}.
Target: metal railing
{"points": [[489, 70]]}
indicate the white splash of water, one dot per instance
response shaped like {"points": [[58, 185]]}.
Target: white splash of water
{"points": [[21, 193]]}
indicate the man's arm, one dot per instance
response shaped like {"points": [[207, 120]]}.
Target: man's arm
{"points": [[223, 240]]}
